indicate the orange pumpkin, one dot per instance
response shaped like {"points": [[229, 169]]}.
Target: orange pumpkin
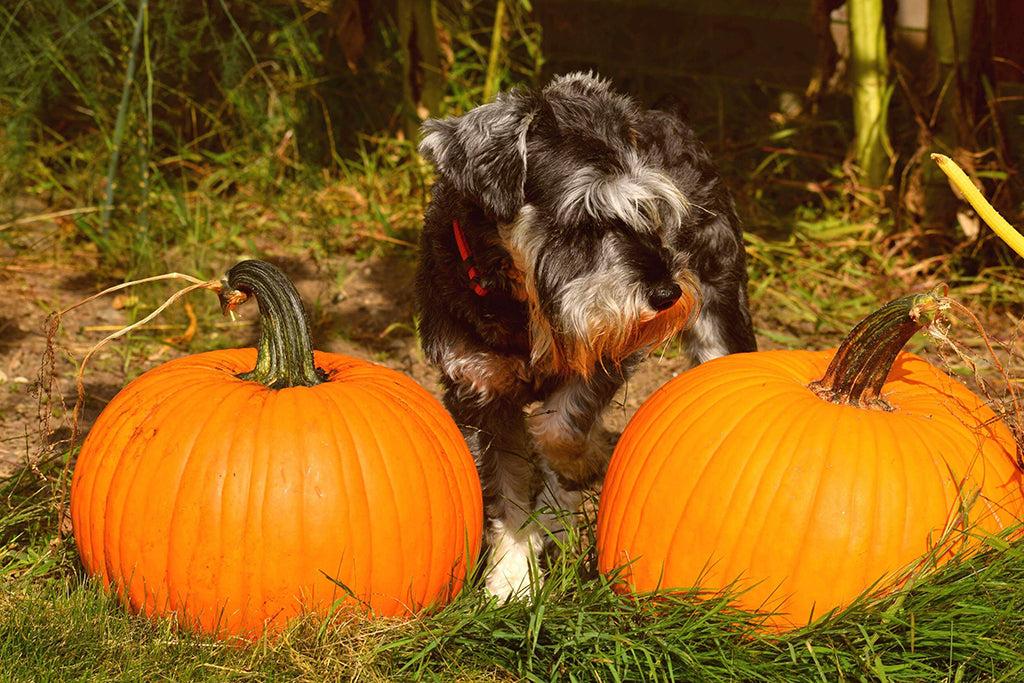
{"points": [[239, 499], [804, 493]]}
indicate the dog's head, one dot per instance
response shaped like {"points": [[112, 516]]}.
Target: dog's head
{"points": [[585, 214]]}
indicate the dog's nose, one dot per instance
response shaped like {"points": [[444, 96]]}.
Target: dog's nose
{"points": [[662, 296]]}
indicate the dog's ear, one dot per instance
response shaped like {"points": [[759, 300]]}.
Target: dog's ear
{"points": [[484, 152]]}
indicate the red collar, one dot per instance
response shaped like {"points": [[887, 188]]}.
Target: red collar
{"points": [[467, 259]]}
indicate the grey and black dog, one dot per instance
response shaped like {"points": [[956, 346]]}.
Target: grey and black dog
{"points": [[568, 227]]}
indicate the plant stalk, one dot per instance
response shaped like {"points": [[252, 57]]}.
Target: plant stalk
{"points": [[864, 360], [285, 355], [491, 81], [122, 116], [870, 74]]}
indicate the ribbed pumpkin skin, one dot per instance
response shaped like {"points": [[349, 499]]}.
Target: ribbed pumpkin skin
{"points": [[736, 469], [228, 502]]}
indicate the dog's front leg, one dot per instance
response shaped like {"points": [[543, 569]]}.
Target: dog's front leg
{"points": [[497, 437], [564, 430]]}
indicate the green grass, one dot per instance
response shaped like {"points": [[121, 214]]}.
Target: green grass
{"points": [[965, 622], [239, 138], [204, 131]]}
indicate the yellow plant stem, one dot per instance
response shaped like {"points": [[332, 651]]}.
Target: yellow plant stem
{"points": [[988, 214]]}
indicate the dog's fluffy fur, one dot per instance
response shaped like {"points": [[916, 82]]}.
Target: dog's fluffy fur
{"points": [[587, 218]]}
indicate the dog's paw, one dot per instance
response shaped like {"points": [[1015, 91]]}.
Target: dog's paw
{"points": [[510, 578], [513, 565]]}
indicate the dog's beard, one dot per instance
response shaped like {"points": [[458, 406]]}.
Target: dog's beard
{"points": [[609, 331], [596, 328]]}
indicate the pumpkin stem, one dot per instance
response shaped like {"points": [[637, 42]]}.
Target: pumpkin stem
{"points": [[285, 356], [864, 359]]}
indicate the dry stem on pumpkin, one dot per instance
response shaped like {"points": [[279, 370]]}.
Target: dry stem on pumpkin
{"points": [[999, 225], [47, 371]]}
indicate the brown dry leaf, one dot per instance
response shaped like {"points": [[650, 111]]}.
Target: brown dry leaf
{"points": [[969, 223], [190, 331]]}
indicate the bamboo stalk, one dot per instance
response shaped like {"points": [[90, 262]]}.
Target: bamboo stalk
{"points": [[870, 75]]}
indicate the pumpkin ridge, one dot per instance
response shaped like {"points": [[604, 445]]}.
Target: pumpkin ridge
{"points": [[252, 529], [228, 496], [690, 500], [281, 450], [993, 507], [86, 497], [874, 523], [898, 541], [626, 472], [130, 466], [446, 472], [855, 442], [404, 426], [939, 431], [309, 407], [117, 503], [174, 586], [951, 508], [799, 562], [656, 470], [795, 417], [388, 498], [656, 473], [336, 574], [884, 472], [219, 619], [727, 434], [173, 571], [372, 521], [450, 468], [95, 446], [939, 477], [247, 462]]}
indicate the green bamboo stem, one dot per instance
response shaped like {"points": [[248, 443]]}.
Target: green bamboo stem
{"points": [[869, 68]]}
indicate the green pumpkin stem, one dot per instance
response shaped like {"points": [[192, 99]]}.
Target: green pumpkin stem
{"points": [[285, 356], [864, 359]]}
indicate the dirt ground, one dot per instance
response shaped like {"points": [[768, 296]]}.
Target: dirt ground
{"points": [[357, 306]]}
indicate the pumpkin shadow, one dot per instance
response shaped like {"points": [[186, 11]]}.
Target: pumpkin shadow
{"points": [[11, 332]]}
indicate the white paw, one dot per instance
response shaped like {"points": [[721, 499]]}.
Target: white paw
{"points": [[513, 566]]}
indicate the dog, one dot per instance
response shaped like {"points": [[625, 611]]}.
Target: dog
{"points": [[569, 233]]}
